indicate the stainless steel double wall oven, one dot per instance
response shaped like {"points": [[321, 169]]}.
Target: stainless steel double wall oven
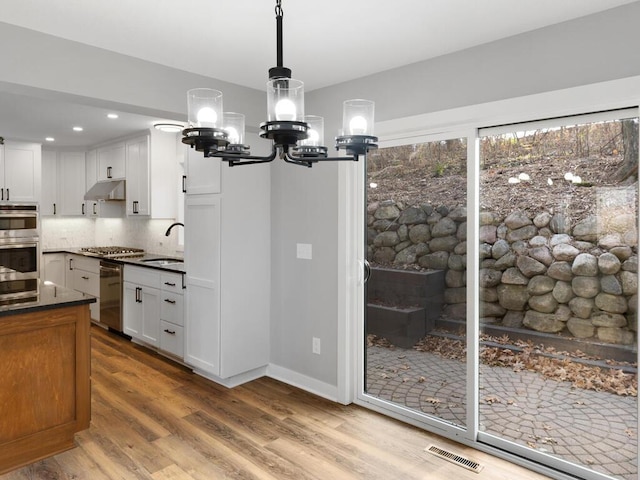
{"points": [[19, 251]]}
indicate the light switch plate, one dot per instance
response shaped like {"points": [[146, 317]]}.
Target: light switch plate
{"points": [[304, 251]]}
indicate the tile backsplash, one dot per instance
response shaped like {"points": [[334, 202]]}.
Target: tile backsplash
{"points": [[148, 234]]}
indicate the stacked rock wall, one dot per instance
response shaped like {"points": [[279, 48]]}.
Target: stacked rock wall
{"points": [[536, 273]]}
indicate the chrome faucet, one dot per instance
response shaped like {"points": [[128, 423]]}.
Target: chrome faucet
{"points": [[166, 234]]}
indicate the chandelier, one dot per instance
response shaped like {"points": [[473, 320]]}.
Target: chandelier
{"points": [[296, 138]]}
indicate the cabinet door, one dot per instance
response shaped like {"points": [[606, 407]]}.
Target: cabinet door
{"points": [[71, 183], [111, 162], [90, 179], [203, 174], [137, 173], [54, 268], [150, 301], [22, 170], [49, 199], [202, 296], [131, 310]]}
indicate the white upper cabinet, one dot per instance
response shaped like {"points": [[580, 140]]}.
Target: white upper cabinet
{"points": [[20, 171], [152, 175], [91, 168], [71, 183], [137, 174], [63, 184], [49, 197], [202, 174], [111, 162]]}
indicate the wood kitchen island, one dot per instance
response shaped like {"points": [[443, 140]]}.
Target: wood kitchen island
{"points": [[44, 374]]}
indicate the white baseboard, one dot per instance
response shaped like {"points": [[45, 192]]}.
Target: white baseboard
{"points": [[295, 379], [234, 381]]}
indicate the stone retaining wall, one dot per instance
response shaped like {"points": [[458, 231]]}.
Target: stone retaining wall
{"points": [[537, 272]]}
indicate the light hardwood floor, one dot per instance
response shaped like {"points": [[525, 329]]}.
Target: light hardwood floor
{"points": [[153, 419]]}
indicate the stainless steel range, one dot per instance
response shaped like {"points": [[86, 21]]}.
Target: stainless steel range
{"points": [[111, 281]]}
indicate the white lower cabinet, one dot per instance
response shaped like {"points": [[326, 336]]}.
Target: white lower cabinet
{"points": [[83, 274], [171, 314], [202, 262], [54, 268], [152, 308], [141, 304]]}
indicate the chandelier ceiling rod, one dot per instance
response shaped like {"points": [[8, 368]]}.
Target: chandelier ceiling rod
{"points": [[296, 138], [280, 71]]}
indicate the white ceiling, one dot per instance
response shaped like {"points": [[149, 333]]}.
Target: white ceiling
{"points": [[325, 41]]}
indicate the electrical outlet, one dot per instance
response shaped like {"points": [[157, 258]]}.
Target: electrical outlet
{"points": [[315, 347]]}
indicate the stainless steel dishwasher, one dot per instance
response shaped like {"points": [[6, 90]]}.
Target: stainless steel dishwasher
{"points": [[111, 294]]}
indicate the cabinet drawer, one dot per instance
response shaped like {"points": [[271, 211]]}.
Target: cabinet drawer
{"points": [[172, 338], [171, 282], [149, 277], [172, 307], [81, 262], [86, 282]]}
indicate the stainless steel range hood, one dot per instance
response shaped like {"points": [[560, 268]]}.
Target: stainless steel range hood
{"points": [[110, 190]]}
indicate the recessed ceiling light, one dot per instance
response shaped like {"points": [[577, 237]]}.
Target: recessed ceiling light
{"points": [[50, 139], [77, 129], [169, 127], [112, 115]]}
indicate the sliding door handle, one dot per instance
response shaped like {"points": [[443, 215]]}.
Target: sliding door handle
{"points": [[367, 270]]}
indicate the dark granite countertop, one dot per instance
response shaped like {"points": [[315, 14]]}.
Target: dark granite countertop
{"points": [[48, 296], [144, 261]]}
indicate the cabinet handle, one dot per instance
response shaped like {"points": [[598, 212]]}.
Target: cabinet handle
{"points": [[8, 195], [54, 208], [109, 172], [170, 284], [83, 209], [135, 206], [95, 205], [172, 302], [138, 295], [184, 184], [184, 284], [2, 193], [70, 264], [84, 278], [170, 332]]}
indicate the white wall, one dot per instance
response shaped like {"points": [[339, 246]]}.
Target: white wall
{"points": [[51, 67], [304, 204]]}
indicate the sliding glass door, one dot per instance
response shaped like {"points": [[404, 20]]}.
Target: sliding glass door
{"points": [[501, 307], [416, 293], [558, 236]]}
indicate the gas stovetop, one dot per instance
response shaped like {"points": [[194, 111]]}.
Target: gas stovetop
{"points": [[114, 252]]}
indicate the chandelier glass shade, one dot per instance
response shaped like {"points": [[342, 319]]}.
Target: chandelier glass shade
{"points": [[296, 138]]}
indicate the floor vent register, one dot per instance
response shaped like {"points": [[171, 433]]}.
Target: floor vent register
{"points": [[455, 459]]}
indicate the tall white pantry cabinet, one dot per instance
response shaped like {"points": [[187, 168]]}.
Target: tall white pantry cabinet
{"points": [[227, 260]]}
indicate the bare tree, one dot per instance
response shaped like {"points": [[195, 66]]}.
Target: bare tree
{"points": [[629, 165]]}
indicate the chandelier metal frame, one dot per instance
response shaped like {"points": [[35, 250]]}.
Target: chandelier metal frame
{"points": [[285, 135]]}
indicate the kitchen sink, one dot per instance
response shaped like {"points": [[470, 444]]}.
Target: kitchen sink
{"points": [[162, 262]]}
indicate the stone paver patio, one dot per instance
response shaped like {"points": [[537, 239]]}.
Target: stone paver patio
{"points": [[593, 429]]}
